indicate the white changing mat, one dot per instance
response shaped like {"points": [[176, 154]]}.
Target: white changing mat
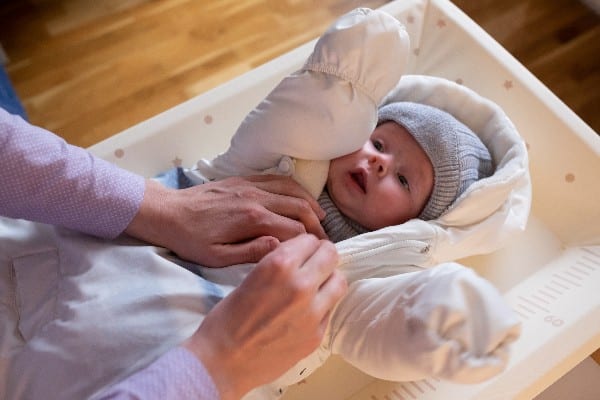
{"points": [[549, 274]]}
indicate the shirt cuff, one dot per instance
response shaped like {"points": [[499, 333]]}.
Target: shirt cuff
{"points": [[177, 375]]}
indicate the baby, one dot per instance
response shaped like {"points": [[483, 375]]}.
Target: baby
{"points": [[418, 160], [372, 167]]}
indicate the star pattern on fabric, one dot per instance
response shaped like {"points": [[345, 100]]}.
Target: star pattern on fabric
{"points": [[508, 84], [441, 23], [570, 177]]}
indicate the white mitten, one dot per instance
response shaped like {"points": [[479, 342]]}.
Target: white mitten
{"points": [[445, 322], [326, 109]]}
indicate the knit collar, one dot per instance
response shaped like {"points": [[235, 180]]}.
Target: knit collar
{"points": [[337, 226]]}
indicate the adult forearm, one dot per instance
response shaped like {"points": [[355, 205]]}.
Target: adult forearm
{"points": [[47, 180]]}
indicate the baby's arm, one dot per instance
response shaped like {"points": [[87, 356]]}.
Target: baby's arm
{"points": [[445, 322], [326, 109]]}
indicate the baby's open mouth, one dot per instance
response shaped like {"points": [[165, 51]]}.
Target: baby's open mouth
{"points": [[359, 179]]}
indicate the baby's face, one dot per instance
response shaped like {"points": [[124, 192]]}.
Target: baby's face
{"points": [[387, 182]]}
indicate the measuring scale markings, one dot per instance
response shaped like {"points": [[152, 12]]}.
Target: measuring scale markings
{"points": [[546, 294], [561, 281], [554, 290], [416, 386], [579, 269], [538, 298], [523, 316], [536, 305], [411, 394], [567, 280], [574, 273], [538, 301], [592, 252], [524, 307], [554, 320], [410, 390], [398, 395], [586, 265], [559, 284]]}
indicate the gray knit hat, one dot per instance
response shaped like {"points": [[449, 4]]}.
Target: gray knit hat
{"points": [[458, 156]]}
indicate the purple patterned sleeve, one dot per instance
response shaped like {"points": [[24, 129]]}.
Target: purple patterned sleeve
{"points": [[45, 179], [176, 375]]}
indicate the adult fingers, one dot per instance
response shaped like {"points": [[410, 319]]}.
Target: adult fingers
{"points": [[322, 263], [329, 294], [275, 206], [294, 209], [291, 255], [307, 268], [286, 186], [331, 284], [251, 251]]}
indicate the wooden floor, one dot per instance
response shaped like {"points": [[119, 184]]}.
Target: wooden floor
{"points": [[87, 69]]}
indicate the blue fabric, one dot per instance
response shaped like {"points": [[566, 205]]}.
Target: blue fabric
{"points": [[8, 97], [174, 178]]}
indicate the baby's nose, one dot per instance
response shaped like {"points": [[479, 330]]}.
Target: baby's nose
{"points": [[380, 163]]}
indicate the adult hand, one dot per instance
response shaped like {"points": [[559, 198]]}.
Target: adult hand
{"points": [[276, 317], [227, 222]]}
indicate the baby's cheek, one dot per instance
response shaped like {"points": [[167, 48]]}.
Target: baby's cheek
{"points": [[398, 207]]}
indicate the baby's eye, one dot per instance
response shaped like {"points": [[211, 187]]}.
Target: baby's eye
{"points": [[378, 145], [404, 181]]}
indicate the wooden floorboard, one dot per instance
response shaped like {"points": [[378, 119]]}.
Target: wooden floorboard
{"points": [[87, 69], [557, 40]]}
